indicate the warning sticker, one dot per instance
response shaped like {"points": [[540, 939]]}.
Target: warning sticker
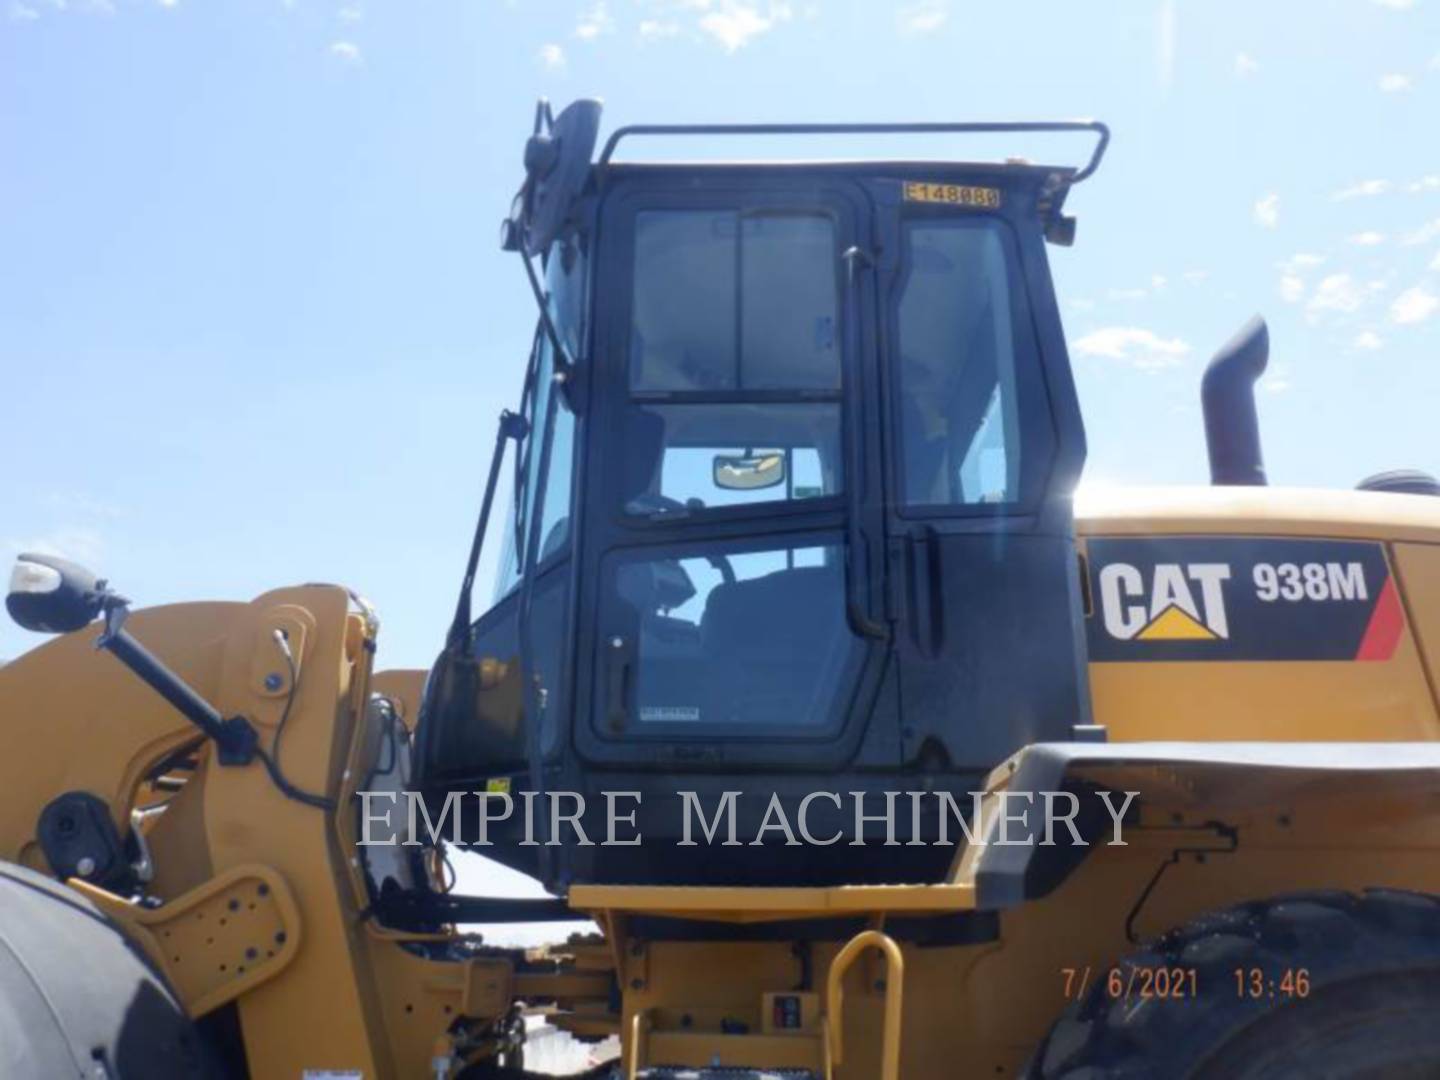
{"points": [[1222, 598]]}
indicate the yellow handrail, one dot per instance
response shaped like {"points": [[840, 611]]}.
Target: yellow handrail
{"points": [[834, 1000], [639, 1032]]}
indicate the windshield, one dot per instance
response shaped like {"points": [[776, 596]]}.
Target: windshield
{"points": [[565, 299]]}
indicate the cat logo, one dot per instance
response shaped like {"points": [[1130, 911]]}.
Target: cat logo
{"points": [[1182, 602]]}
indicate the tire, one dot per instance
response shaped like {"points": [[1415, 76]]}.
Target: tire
{"points": [[1369, 1008], [77, 999]]}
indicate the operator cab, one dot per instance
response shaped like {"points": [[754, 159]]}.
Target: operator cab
{"points": [[792, 501]]}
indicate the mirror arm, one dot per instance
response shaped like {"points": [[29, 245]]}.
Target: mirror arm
{"points": [[234, 738], [564, 363]]}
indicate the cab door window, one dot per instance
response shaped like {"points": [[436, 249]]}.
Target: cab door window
{"points": [[735, 638], [729, 407], [734, 361]]}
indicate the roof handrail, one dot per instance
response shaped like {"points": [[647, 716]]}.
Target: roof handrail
{"points": [[1101, 130]]}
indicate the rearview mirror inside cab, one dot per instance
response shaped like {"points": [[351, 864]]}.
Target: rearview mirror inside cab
{"points": [[748, 472]]}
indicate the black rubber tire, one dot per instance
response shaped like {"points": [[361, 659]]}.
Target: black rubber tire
{"points": [[77, 999], [1373, 969]]}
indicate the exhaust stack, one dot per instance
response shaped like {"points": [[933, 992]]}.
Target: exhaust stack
{"points": [[1227, 396]]}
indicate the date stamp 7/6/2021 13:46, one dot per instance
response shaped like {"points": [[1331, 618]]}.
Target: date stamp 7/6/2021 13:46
{"points": [[1138, 982]]}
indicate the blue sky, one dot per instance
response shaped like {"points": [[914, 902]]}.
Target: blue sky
{"points": [[254, 325]]}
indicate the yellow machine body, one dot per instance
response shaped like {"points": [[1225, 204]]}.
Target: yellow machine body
{"points": [[263, 910]]}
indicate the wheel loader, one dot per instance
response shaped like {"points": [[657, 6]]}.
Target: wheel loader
{"points": [[869, 755]]}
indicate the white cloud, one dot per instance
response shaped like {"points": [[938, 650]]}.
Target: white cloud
{"points": [[1126, 294], [551, 57], [735, 24], [656, 29], [1364, 189], [1395, 5], [1435, 262], [922, 17], [1132, 345], [1245, 65], [1195, 277], [347, 51], [1367, 341], [1275, 384], [1337, 292], [1080, 304], [1394, 84], [1423, 235], [351, 13], [23, 13], [1267, 211], [1425, 183], [1158, 281], [1292, 271], [1414, 306], [169, 3], [1368, 238], [1301, 260], [594, 22]]}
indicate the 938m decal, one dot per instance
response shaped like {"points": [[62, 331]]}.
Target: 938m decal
{"points": [[1221, 598]]}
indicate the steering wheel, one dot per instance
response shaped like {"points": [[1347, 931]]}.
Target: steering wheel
{"points": [[651, 502]]}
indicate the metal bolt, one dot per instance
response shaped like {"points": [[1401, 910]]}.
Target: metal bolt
{"points": [[274, 681], [251, 953], [86, 866]]}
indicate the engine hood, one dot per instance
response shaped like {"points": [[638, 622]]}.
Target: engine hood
{"points": [[1268, 511]]}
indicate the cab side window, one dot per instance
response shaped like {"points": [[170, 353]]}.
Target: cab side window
{"points": [[959, 400]]}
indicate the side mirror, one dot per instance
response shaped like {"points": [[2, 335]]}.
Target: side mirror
{"points": [[53, 596], [748, 472]]}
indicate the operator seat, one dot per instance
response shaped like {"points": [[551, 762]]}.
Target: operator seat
{"points": [[760, 643]]}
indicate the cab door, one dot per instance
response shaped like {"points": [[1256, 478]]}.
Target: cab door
{"points": [[983, 446], [727, 585]]}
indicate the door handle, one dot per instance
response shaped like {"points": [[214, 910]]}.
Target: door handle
{"points": [[617, 682], [923, 574]]}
